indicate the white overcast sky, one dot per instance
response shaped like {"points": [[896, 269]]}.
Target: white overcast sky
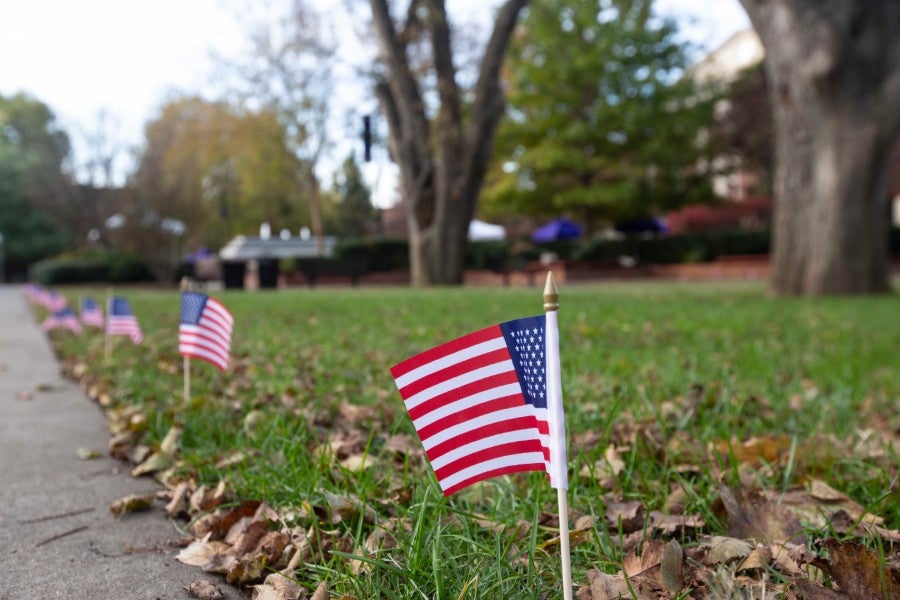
{"points": [[125, 56]]}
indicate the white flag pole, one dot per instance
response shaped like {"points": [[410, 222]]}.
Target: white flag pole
{"points": [[107, 341], [186, 287], [559, 475]]}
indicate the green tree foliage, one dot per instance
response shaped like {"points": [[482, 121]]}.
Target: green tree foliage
{"points": [[602, 123], [35, 192], [220, 170], [744, 129], [354, 214]]}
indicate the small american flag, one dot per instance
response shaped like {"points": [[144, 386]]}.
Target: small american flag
{"points": [[52, 301], [34, 292], [91, 313], [62, 319], [121, 321], [205, 330], [479, 404]]}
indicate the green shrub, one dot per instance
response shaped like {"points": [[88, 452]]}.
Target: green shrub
{"points": [[493, 255], [383, 255], [107, 267], [694, 247]]}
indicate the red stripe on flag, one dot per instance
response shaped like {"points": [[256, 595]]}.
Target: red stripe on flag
{"points": [[446, 349], [472, 412], [519, 447], [494, 473], [463, 391], [455, 370], [480, 433]]}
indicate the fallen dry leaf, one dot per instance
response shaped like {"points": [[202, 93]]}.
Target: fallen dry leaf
{"points": [[813, 591], [179, 503], [220, 522], [630, 514], [204, 498], [358, 462], [321, 592], [614, 587], [769, 448], [759, 558], [169, 446], [858, 571], [751, 515], [672, 566], [131, 504], [345, 507], [252, 422], [725, 549], [154, 463], [204, 589], [87, 453], [278, 586], [642, 559], [231, 459], [200, 553], [120, 445]]}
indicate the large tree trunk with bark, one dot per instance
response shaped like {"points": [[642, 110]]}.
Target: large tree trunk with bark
{"points": [[442, 159], [835, 72]]}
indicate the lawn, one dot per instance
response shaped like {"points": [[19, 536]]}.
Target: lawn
{"points": [[682, 400]]}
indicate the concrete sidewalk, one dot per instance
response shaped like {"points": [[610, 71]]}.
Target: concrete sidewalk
{"points": [[57, 536]]}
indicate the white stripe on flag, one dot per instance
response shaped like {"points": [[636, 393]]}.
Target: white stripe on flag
{"points": [[467, 426], [450, 360], [458, 381], [490, 465]]}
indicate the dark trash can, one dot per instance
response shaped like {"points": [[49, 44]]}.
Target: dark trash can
{"points": [[268, 273], [233, 274]]}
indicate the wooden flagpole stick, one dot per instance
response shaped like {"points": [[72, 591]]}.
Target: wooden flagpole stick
{"points": [[187, 380], [558, 456], [107, 341], [186, 287]]}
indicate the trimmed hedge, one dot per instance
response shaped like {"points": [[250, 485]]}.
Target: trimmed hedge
{"points": [[382, 255], [699, 247], [110, 267], [392, 254]]}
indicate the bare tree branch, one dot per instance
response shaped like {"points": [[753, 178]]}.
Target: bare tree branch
{"points": [[489, 103]]}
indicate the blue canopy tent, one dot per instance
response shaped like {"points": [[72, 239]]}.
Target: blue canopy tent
{"points": [[556, 230]]}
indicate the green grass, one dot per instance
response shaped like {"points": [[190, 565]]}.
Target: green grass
{"points": [[701, 364]]}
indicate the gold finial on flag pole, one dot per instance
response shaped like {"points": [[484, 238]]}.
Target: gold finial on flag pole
{"points": [[551, 294], [558, 461]]}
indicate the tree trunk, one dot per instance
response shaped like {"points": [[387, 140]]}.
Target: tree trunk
{"points": [[315, 207], [442, 160], [835, 73]]}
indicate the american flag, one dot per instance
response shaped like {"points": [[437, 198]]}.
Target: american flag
{"points": [[205, 330], [480, 404], [91, 313], [62, 319], [121, 321], [52, 301], [34, 292]]}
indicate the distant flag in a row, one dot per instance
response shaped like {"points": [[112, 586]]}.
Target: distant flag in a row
{"points": [[91, 314], [52, 301], [121, 321], [205, 330], [62, 319]]}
